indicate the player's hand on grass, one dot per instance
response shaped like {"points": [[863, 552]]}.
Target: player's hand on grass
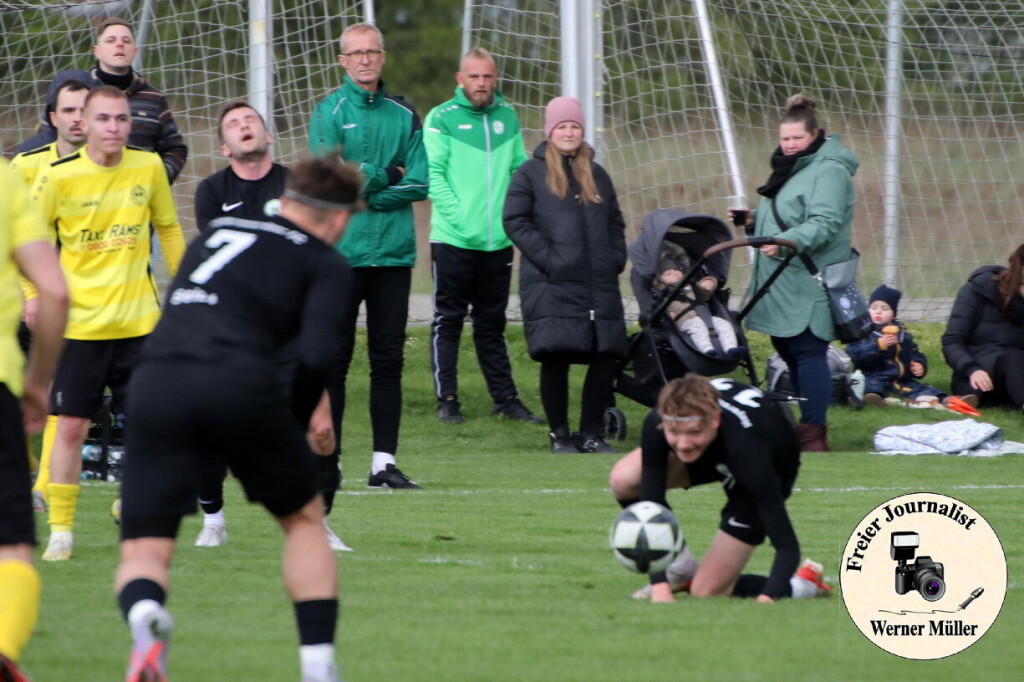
{"points": [[661, 593], [764, 599]]}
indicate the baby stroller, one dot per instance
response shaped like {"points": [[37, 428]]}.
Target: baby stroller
{"points": [[660, 350]]}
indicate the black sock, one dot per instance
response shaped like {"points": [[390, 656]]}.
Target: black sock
{"points": [[626, 503], [329, 479], [211, 506], [749, 585], [138, 590], [317, 620]]}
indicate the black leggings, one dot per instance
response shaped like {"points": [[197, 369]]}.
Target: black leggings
{"points": [[598, 387]]}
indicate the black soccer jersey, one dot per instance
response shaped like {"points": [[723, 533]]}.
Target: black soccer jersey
{"points": [[226, 194], [756, 456], [248, 288]]}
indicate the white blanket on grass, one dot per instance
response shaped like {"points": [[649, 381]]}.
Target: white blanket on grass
{"points": [[964, 437]]}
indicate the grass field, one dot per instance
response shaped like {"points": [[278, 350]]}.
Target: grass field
{"points": [[499, 569]]}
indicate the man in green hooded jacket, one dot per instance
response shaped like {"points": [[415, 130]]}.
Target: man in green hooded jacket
{"points": [[474, 145]]}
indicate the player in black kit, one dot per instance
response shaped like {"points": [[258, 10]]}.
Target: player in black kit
{"points": [[250, 187], [207, 386], [722, 431]]}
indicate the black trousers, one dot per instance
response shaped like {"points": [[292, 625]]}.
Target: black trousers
{"points": [[598, 389], [474, 282], [386, 293]]}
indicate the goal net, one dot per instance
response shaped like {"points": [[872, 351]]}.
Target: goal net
{"points": [[961, 110], [959, 119], [195, 51]]}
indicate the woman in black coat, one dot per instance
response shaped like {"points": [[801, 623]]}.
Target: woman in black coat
{"points": [[984, 339], [562, 213]]}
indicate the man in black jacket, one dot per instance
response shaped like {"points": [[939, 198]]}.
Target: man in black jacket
{"points": [[153, 126]]}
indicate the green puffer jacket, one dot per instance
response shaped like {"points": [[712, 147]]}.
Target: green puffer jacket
{"points": [[817, 204], [472, 154], [379, 133]]}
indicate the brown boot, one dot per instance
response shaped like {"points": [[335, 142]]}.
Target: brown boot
{"points": [[813, 438]]}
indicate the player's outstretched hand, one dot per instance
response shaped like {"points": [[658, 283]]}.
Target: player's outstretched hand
{"points": [[35, 406], [661, 593]]}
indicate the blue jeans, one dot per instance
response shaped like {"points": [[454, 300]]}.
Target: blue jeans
{"points": [[806, 356]]}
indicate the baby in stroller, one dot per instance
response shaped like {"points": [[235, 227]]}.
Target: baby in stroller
{"points": [[688, 308]]}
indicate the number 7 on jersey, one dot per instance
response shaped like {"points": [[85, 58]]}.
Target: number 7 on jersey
{"points": [[229, 243]]}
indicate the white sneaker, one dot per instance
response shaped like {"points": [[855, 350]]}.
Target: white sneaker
{"points": [[38, 501], [336, 543], [151, 626], [59, 547], [212, 535]]}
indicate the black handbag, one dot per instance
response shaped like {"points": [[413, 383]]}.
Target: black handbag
{"points": [[839, 281]]}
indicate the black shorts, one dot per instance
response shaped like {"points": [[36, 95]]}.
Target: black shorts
{"points": [[183, 413], [741, 520], [17, 527], [86, 368]]}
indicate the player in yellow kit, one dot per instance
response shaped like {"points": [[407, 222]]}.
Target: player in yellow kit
{"points": [[66, 118], [101, 202], [24, 246]]}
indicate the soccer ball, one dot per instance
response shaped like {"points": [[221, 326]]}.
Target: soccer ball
{"points": [[115, 511], [646, 537]]}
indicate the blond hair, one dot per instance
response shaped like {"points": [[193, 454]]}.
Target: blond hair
{"points": [[689, 396], [582, 166]]}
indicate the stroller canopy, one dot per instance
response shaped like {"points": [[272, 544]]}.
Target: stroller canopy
{"points": [[707, 231]]}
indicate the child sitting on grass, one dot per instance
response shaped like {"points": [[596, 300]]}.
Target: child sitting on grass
{"points": [[890, 359], [673, 262]]}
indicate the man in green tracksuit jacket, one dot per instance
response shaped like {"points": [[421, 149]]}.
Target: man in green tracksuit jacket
{"points": [[474, 145], [382, 134]]}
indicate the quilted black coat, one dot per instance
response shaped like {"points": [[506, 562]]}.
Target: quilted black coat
{"points": [[573, 254], [977, 334]]}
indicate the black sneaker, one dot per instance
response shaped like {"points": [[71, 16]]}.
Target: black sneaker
{"points": [[514, 409], [448, 412], [593, 443], [562, 442], [391, 477]]}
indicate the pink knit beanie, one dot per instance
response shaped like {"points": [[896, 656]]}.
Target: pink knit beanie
{"points": [[562, 109]]}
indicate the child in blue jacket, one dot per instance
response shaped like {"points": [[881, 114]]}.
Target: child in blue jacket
{"points": [[889, 357]]}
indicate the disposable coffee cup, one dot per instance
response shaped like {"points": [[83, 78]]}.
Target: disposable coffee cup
{"points": [[739, 216]]}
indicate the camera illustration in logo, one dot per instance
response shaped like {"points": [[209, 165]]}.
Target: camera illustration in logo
{"points": [[923, 575]]}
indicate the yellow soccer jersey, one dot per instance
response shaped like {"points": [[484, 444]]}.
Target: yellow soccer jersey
{"points": [[31, 162], [19, 225], [102, 221]]}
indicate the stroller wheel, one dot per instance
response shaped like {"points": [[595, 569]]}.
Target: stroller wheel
{"points": [[615, 424]]}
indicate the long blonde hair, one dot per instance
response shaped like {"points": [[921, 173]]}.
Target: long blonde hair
{"points": [[582, 169]]}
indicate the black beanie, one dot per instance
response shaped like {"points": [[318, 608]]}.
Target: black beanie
{"points": [[887, 295]]}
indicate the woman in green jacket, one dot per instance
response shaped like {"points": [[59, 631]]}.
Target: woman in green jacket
{"points": [[811, 186]]}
